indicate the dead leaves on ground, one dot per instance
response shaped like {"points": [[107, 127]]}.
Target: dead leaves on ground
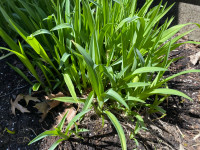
{"points": [[15, 104], [43, 107]]}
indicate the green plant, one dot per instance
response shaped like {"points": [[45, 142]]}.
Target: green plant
{"points": [[117, 51], [58, 130]]}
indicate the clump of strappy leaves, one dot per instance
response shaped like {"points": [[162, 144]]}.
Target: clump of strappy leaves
{"points": [[115, 52]]}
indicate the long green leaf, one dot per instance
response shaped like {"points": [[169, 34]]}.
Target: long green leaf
{"points": [[88, 101], [169, 92], [61, 26], [137, 84], [70, 86], [114, 95], [68, 100], [71, 123], [43, 135], [119, 129], [55, 144], [60, 125], [148, 69]]}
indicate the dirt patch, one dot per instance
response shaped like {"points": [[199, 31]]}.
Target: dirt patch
{"points": [[179, 129]]}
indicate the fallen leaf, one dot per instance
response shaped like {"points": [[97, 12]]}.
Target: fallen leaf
{"points": [[59, 94], [28, 98], [42, 107], [48, 104], [16, 105], [195, 58], [53, 103]]}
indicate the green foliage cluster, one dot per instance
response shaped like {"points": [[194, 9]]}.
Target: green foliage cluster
{"points": [[108, 48]]}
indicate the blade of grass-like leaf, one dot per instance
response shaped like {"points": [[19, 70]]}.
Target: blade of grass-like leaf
{"points": [[91, 70], [67, 11], [119, 129], [44, 134], [63, 59], [36, 86], [121, 73], [102, 34], [145, 8], [61, 26], [126, 20], [44, 71], [144, 70], [169, 92], [137, 84], [32, 41], [24, 17], [41, 31], [28, 9], [20, 73], [77, 19], [114, 95], [7, 55], [88, 101], [95, 3], [85, 55], [68, 100], [108, 74], [89, 16], [70, 86], [60, 125], [135, 99], [148, 69], [118, 1], [161, 51], [133, 8], [10, 21], [9, 41], [25, 61], [55, 144], [71, 123], [175, 75], [172, 31], [157, 18]]}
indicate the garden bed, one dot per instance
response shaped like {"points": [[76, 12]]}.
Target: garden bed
{"points": [[177, 130]]}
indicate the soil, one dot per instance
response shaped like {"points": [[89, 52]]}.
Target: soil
{"points": [[178, 130]]}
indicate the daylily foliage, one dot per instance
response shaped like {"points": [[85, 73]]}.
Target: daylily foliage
{"points": [[111, 49]]}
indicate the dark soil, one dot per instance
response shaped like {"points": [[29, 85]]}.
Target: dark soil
{"points": [[178, 130]]}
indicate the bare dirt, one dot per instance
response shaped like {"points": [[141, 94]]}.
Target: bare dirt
{"points": [[178, 130]]}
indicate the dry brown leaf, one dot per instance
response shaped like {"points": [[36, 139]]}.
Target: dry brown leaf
{"points": [[28, 98], [71, 114], [59, 94], [16, 105], [42, 107], [53, 103], [45, 107], [48, 104]]}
